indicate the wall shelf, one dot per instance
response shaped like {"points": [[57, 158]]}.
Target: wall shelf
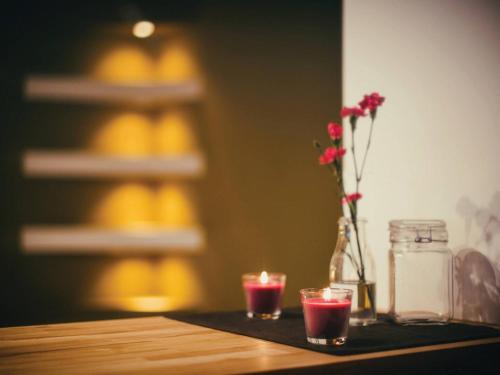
{"points": [[86, 90], [71, 164], [91, 240]]}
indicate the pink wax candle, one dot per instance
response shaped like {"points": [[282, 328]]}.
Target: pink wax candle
{"points": [[326, 315], [264, 293]]}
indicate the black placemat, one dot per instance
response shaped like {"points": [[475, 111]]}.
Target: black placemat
{"points": [[289, 330]]}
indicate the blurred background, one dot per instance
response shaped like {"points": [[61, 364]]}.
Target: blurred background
{"points": [[146, 165], [153, 152]]}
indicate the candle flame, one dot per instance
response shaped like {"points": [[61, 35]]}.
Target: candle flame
{"points": [[264, 278], [327, 293]]}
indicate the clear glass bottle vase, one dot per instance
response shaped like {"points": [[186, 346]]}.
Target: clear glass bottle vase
{"points": [[352, 267]]}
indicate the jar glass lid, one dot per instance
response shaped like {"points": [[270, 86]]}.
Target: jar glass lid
{"points": [[420, 231]]}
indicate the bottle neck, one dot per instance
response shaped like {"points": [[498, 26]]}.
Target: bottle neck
{"points": [[355, 233], [352, 259]]}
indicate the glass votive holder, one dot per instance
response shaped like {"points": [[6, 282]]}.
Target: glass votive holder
{"points": [[326, 315], [264, 294]]}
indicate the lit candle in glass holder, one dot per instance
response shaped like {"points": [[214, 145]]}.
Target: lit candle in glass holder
{"points": [[326, 315], [264, 294]]}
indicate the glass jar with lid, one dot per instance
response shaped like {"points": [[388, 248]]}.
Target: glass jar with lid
{"points": [[420, 272]]}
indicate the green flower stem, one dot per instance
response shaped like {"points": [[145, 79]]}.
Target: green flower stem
{"points": [[336, 170], [367, 147], [354, 217]]}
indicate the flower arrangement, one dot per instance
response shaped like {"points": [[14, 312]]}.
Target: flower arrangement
{"points": [[332, 157]]}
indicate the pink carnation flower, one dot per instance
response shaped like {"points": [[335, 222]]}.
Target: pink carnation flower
{"points": [[335, 130], [372, 101], [331, 154], [352, 197], [352, 112]]}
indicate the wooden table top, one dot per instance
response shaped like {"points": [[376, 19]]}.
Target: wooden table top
{"points": [[158, 345]]}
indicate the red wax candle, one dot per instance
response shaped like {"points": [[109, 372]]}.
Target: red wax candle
{"points": [[264, 294], [326, 319]]}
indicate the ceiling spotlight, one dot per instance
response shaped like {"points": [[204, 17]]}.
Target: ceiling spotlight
{"points": [[143, 29]]}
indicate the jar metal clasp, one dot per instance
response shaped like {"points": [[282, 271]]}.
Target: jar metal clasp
{"points": [[423, 239]]}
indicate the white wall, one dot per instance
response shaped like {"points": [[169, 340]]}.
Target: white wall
{"points": [[437, 138]]}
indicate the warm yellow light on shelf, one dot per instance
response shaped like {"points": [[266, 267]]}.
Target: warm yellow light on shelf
{"points": [[174, 134], [127, 205], [176, 62], [178, 279], [124, 278], [125, 63], [131, 61], [137, 205], [147, 285], [143, 29], [139, 303], [175, 206], [128, 134], [148, 303]]}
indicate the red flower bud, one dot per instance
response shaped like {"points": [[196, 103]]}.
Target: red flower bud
{"points": [[372, 101], [352, 197], [331, 154], [352, 112], [335, 130]]}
